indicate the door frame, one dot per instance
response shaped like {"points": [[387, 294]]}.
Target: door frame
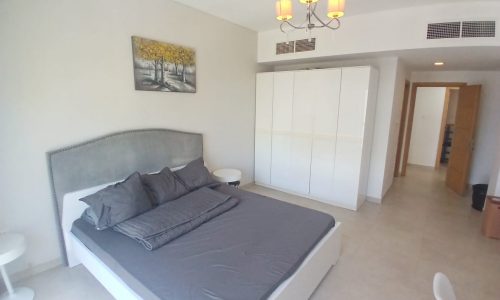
{"points": [[402, 123], [411, 112]]}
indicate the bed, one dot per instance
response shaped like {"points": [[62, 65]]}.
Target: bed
{"points": [[217, 266]]}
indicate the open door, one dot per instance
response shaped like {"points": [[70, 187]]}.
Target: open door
{"points": [[462, 147]]}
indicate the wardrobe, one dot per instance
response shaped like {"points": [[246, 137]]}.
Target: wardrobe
{"points": [[313, 132]]}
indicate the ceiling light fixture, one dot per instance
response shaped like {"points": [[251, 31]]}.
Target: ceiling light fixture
{"points": [[335, 11], [439, 63]]}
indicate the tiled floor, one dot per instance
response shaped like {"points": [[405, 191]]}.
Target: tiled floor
{"points": [[390, 251]]}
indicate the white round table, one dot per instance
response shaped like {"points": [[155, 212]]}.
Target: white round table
{"points": [[12, 246], [229, 176]]}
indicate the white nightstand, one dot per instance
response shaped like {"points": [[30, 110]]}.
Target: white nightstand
{"points": [[12, 246], [229, 176]]}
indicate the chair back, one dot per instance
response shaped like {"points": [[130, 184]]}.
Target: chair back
{"points": [[443, 290]]}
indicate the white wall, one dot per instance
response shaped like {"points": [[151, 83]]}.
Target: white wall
{"points": [[427, 118], [387, 30], [485, 149], [391, 71], [66, 76], [402, 75]]}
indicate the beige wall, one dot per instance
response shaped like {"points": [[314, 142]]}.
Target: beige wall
{"points": [[66, 76], [402, 75]]}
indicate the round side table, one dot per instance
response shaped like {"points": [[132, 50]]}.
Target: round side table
{"points": [[12, 246], [229, 176]]}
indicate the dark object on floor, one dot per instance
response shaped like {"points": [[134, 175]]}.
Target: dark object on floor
{"points": [[479, 195], [491, 220]]}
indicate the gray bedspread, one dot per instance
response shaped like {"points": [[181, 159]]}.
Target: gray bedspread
{"points": [[170, 220], [245, 253]]}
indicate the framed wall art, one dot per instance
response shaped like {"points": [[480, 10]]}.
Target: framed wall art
{"points": [[163, 67]]}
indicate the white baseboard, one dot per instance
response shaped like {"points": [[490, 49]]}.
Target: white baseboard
{"points": [[374, 199], [329, 202], [35, 270]]}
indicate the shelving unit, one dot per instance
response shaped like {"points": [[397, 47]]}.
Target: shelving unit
{"points": [[448, 137]]}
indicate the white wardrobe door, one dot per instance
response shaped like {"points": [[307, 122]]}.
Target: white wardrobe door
{"points": [[302, 127], [326, 94], [282, 129], [352, 108], [263, 127]]}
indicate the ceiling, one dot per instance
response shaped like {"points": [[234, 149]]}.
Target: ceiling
{"points": [[455, 58], [259, 15]]}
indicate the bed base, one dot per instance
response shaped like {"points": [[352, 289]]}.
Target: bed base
{"points": [[313, 269], [112, 282], [299, 286]]}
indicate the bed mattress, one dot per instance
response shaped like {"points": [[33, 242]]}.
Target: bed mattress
{"points": [[245, 253]]}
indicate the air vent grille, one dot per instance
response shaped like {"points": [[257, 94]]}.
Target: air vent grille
{"points": [[446, 30], [465, 29], [305, 45], [296, 46], [478, 29], [285, 47]]}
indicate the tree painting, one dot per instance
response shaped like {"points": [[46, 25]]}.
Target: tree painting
{"points": [[163, 67]]}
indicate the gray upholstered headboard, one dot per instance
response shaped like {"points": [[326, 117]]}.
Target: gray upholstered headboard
{"points": [[113, 157]]}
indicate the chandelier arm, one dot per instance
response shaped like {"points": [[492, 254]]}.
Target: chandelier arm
{"points": [[313, 8], [291, 25], [308, 24], [328, 23], [336, 27], [321, 21], [333, 27], [281, 27], [310, 12], [294, 26]]}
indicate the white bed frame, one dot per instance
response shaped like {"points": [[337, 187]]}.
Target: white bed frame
{"points": [[298, 286]]}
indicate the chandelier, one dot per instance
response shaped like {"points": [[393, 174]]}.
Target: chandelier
{"points": [[335, 11]]}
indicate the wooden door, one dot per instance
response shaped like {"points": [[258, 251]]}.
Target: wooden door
{"points": [[463, 139]]}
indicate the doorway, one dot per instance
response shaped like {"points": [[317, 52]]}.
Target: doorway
{"points": [[439, 131], [447, 129]]}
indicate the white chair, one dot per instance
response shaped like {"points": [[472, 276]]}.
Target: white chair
{"points": [[443, 290], [12, 246]]}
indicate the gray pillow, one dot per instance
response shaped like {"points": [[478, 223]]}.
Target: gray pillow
{"points": [[163, 187], [194, 175], [89, 216], [117, 203]]}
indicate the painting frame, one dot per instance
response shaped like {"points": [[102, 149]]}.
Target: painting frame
{"points": [[162, 66]]}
